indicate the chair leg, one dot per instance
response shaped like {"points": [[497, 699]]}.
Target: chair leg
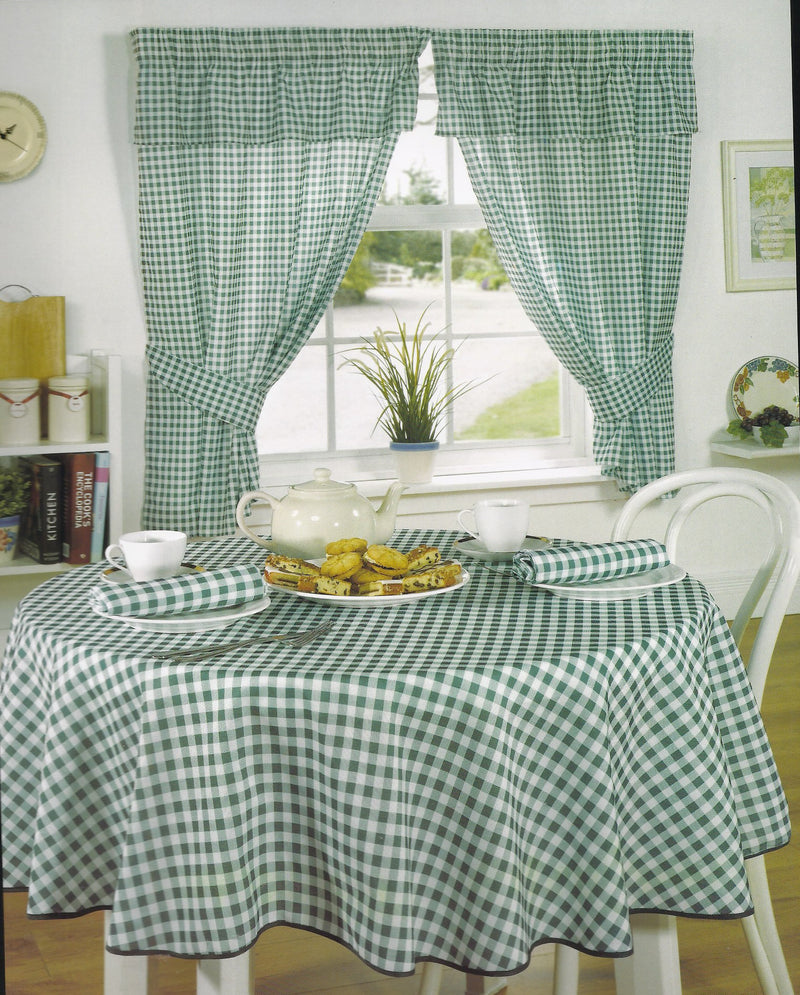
{"points": [[566, 971], [231, 976], [431, 979], [128, 975], [762, 933], [759, 957], [654, 968]]}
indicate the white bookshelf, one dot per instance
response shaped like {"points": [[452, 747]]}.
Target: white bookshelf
{"points": [[106, 436]]}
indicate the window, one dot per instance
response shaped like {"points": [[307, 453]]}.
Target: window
{"points": [[426, 246]]}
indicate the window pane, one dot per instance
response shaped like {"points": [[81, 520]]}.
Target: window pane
{"points": [[382, 302], [521, 397], [483, 301], [392, 271], [427, 79], [417, 173], [357, 410], [294, 417], [462, 188]]}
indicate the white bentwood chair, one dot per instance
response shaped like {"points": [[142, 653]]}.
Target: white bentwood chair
{"points": [[774, 581]]}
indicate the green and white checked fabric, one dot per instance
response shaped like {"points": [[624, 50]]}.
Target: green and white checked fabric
{"points": [[578, 146], [462, 777], [200, 591], [262, 153], [581, 563], [258, 86]]}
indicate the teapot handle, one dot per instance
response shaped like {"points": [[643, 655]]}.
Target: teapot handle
{"points": [[241, 507]]}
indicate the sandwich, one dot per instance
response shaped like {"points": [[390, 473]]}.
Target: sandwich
{"points": [[287, 571]]}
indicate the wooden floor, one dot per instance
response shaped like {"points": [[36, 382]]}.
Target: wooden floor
{"points": [[65, 957]]}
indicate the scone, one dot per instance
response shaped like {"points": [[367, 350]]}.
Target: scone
{"points": [[386, 561]]}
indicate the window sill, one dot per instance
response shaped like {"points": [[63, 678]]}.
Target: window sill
{"points": [[434, 505], [562, 485]]}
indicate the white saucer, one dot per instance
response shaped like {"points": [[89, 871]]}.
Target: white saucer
{"points": [[114, 575], [476, 549]]}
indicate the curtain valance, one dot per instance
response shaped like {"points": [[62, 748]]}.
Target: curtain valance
{"points": [[255, 86], [574, 83]]}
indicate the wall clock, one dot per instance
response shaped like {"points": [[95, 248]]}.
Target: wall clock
{"points": [[23, 136]]}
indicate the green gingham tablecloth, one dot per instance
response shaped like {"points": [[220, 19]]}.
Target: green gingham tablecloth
{"points": [[460, 778]]}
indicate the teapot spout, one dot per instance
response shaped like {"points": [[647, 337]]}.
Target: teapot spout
{"points": [[386, 515]]}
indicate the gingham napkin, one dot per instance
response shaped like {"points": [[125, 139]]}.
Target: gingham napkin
{"points": [[199, 591], [583, 563]]}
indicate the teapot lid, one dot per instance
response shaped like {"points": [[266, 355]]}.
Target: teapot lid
{"points": [[322, 484]]}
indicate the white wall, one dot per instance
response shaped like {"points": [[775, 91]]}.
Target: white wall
{"points": [[70, 227]]}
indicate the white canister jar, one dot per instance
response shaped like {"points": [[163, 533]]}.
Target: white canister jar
{"points": [[19, 411], [68, 408]]}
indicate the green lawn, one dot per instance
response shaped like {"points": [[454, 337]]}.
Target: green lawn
{"points": [[533, 413]]}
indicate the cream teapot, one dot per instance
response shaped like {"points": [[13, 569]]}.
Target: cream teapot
{"points": [[318, 511]]}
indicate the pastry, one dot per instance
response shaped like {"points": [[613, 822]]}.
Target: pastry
{"points": [[352, 568], [380, 587], [332, 585], [423, 556], [280, 578], [365, 576], [441, 575], [386, 561], [290, 565], [346, 546], [341, 565]]}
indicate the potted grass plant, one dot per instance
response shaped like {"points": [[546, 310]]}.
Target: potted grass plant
{"points": [[14, 488], [409, 372]]}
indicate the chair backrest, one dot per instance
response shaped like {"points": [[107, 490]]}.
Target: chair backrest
{"points": [[689, 489]]}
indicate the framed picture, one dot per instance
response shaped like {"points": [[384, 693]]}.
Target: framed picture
{"points": [[758, 214]]}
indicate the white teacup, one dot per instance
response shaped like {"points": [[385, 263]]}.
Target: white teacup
{"points": [[499, 524], [148, 555]]}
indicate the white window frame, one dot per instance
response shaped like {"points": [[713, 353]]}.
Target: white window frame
{"points": [[570, 449]]}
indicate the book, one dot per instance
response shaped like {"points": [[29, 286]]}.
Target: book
{"points": [[40, 529], [102, 466], [77, 503]]}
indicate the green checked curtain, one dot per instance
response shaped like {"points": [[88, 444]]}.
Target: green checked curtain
{"points": [[578, 145], [261, 155]]}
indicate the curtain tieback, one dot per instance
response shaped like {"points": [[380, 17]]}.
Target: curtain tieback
{"points": [[618, 396], [227, 400]]}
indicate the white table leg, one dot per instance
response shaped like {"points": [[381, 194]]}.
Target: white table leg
{"points": [[476, 984], [431, 979], [654, 968], [231, 976], [566, 972], [130, 975]]}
